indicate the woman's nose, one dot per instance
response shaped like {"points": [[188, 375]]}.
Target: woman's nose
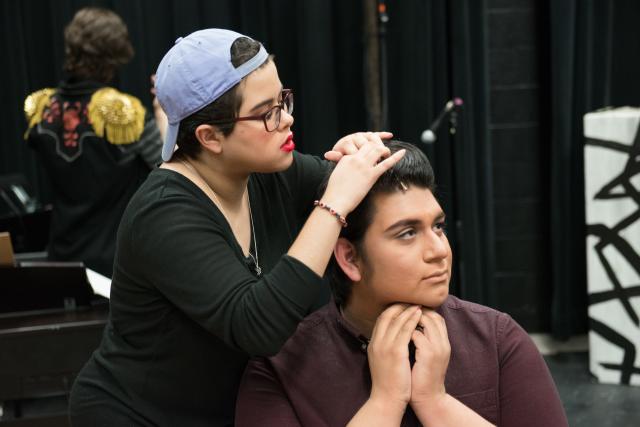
{"points": [[286, 119]]}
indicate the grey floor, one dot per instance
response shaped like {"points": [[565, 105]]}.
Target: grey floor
{"points": [[588, 403]]}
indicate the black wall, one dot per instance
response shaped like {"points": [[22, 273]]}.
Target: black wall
{"points": [[519, 132]]}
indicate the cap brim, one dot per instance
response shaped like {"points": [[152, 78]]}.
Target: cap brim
{"points": [[170, 142]]}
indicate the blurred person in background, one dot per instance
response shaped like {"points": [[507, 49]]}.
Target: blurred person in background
{"points": [[97, 144]]}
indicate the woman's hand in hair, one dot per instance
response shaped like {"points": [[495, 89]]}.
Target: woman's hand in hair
{"points": [[350, 144], [355, 174], [432, 359]]}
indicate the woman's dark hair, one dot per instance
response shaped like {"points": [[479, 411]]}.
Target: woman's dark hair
{"points": [[225, 107], [413, 169], [96, 44]]}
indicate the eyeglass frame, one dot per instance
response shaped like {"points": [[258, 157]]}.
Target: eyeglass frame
{"points": [[286, 93]]}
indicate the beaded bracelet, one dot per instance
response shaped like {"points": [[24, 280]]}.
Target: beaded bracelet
{"points": [[343, 220]]}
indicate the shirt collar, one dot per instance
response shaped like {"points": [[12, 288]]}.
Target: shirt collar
{"points": [[72, 86], [347, 327], [352, 332]]}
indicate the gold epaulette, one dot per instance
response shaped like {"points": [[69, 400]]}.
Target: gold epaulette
{"points": [[116, 116], [35, 104]]}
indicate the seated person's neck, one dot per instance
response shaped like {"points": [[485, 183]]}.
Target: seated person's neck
{"points": [[361, 315]]}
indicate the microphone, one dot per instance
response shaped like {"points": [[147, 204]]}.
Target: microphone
{"points": [[429, 135]]}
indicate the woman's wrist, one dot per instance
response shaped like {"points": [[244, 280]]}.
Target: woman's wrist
{"points": [[338, 216], [337, 202]]}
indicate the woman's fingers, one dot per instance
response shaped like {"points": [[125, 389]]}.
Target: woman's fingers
{"points": [[355, 174], [384, 134], [390, 161], [352, 143], [153, 84], [333, 156]]}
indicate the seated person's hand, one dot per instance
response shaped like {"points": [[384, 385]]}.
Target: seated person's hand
{"points": [[388, 354], [432, 359], [350, 144]]}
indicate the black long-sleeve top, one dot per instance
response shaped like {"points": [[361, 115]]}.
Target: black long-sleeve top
{"points": [[187, 308]]}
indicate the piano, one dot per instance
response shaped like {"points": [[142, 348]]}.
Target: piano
{"points": [[50, 324]]}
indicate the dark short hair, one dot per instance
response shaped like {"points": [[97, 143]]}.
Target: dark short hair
{"points": [[225, 107], [413, 169], [96, 44]]}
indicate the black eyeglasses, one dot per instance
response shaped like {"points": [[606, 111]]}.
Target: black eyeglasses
{"points": [[271, 118]]}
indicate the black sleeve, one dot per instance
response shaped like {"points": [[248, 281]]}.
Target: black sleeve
{"points": [[190, 258], [149, 146]]}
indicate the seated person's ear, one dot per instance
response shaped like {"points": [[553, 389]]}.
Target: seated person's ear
{"points": [[347, 258], [210, 138]]}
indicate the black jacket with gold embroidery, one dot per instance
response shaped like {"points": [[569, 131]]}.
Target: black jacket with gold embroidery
{"points": [[97, 145]]}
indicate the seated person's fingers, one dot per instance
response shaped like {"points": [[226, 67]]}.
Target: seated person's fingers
{"points": [[382, 323], [408, 327], [408, 315]]}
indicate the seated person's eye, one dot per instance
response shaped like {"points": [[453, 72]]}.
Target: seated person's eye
{"points": [[407, 234], [441, 227]]}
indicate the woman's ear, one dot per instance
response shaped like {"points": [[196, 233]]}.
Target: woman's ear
{"points": [[347, 258], [210, 138]]}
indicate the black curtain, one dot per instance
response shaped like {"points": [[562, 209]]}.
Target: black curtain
{"points": [[437, 51], [472, 150], [570, 71]]}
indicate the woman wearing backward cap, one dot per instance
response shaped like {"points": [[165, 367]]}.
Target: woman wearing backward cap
{"points": [[221, 251]]}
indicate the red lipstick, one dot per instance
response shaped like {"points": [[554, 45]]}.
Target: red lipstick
{"points": [[288, 145]]}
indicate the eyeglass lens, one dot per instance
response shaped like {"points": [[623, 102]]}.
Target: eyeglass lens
{"points": [[272, 119]]}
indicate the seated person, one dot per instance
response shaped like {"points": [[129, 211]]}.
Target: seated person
{"points": [[394, 348]]}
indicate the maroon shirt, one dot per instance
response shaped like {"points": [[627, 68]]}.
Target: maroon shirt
{"points": [[321, 376]]}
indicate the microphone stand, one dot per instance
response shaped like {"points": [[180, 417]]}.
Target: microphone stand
{"points": [[429, 137], [456, 200], [383, 19]]}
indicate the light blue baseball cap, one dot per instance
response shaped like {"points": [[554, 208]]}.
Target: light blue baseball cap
{"points": [[196, 71]]}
